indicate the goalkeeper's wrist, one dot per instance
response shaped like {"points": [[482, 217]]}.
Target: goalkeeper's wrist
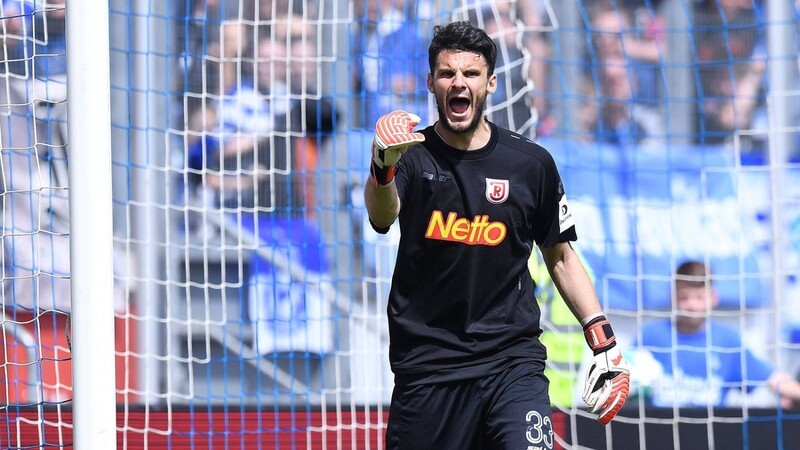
{"points": [[382, 176], [598, 333]]}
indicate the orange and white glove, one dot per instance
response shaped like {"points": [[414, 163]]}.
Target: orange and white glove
{"points": [[609, 378], [394, 133]]}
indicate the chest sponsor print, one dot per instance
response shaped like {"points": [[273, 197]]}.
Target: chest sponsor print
{"points": [[478, 231]]}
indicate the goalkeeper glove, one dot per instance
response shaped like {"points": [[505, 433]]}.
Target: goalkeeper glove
{"points": [[608, 378], [393, 135]]}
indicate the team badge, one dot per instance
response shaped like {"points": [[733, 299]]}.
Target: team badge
{"points": [[496, 190]]}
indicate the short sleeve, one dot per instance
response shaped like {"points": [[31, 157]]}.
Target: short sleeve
{"points": [[555, 223]]}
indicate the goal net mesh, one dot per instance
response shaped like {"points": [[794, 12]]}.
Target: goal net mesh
{"points": [[250, 289]]}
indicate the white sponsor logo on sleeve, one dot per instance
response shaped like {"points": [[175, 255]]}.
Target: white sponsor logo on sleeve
{"points": [[565, 219]]}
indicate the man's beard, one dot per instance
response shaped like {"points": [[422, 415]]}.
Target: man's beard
{"points": [[479, 108]]}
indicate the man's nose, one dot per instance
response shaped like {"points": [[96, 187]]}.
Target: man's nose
{"points": [[459, 80]]}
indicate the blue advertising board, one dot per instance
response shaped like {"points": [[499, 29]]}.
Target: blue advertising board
{"points": [[642, 211]]}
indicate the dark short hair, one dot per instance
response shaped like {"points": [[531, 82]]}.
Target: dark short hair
{"points": [[463, 36], [693, 274]]}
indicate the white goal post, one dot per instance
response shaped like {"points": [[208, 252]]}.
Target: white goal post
{"points": [[91, 229]]}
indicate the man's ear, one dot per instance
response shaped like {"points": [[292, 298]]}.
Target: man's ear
{"points": [[491, 86], [430, 83]]}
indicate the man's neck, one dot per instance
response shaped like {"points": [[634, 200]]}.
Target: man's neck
{"points": [[468, 140]]}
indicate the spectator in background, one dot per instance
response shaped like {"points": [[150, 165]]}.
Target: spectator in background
{"points": [[228, 156], [620, 118], [613, 37], [302, 120], [702, 359], [254, 137], [313, 119], [617, 103], [730, 49], [289, 314], [273, 79], [254, 133], [197, 36], [244, 124], [730, 101], [390, 60]]}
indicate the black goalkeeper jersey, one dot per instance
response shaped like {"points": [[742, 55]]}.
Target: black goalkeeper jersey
{"points": [[461, 303]]}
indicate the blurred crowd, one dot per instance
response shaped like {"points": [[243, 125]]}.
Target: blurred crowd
{"points": [[259, 113], [248, 72], [261, 104]]}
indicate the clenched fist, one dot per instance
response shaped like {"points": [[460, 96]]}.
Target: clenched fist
{"points": [[393, 135]]}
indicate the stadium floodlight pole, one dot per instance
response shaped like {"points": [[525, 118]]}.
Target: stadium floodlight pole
{"points": [[91, 225]]}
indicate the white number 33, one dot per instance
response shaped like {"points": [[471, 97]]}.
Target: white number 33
{"points": [[540, 430]]}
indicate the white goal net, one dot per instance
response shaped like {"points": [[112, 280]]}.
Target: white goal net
{"points": [[250, 289]]}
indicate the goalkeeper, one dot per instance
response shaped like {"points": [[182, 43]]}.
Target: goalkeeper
{"points": [[472, 201]]}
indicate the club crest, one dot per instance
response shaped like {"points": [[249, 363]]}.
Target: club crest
{"points": [[496, 190]]}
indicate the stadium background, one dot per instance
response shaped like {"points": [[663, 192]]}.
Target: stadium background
{"points": [[253, 316]]}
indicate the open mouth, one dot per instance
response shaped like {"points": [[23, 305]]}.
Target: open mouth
{"points": [[459, 106]]}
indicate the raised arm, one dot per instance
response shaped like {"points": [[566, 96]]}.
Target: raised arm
{"points": [[393, 135]]}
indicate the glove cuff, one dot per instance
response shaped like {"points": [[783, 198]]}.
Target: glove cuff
{"points": [[599, 335], [382, 176]]}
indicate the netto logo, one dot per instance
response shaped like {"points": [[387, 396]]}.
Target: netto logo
{"points": [[478, 231]]}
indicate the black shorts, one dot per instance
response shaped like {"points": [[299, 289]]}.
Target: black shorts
{"points": [[507, 410]]}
